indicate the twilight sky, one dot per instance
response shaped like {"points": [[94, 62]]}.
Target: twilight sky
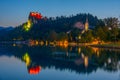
{"points": [[15, 12]]}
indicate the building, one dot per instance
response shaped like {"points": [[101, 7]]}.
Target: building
{"points": [[35, 17], [86, 25], [83, 27], [79, 25]]}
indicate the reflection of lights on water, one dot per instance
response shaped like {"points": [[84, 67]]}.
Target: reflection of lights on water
{"points": [[46, 43], [79, 61], [14, 44], [70, 48], [27, 59], [62, 43], [28, 25], [82, 55], [35, 70], [96, 50], [109, 60], [86, 61], [36, 42], [31, 70], [79, 50], [41, 43], [67, 54]]}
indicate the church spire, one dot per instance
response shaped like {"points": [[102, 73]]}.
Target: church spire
{"points": [[86, 24]]}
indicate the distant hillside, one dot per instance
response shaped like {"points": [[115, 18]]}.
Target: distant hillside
{"points": [[6, 28], [4, 31]]}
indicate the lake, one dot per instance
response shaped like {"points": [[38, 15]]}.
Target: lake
{"points": [[21, 62]]}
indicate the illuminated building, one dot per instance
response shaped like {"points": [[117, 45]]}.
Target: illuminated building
{"points": [[79, 25], [27, 26], [35, 17], [86, 25]]}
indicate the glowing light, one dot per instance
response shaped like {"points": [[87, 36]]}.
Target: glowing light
{"points": [[41, 43], [86, 61], [79, 50], [36, 42], [14, 44], [36, 15], [86, 25], [82, 55], [28, 25], [109, 60], [46, 43], [62, 43], [27, 59], [34, 70], [96, 50]]}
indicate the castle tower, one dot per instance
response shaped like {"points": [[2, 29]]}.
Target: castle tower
{"points": [[86, 25]]}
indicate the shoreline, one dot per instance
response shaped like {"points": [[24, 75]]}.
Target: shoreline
{"points": [[106, 45]]}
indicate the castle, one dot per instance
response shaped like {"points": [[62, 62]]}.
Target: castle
{"points": [[35, 17]]}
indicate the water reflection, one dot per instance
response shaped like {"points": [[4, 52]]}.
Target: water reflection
{"points": [[32, 69], [83, 60], [27, 59], [87, 56]]}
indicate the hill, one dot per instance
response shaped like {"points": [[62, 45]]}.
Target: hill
{"points": [[39, 27]]}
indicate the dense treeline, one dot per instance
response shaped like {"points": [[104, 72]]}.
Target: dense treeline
{"points": [[62, 28]]}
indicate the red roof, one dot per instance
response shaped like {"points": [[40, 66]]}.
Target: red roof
{"points": [[36, 15]]}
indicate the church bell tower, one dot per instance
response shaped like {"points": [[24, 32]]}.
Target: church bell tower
{"points": [[86, 25]]}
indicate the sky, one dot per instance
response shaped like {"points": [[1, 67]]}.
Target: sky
{"points": [[16, 12]]}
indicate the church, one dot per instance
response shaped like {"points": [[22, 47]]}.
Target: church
{"points": [[83, 27], [86, 25]]}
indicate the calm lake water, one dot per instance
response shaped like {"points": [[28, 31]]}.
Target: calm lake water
{"points": [[58, 63]]}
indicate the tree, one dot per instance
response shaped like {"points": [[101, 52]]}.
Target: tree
{"points": [[52, 36], [75, 33], [101, 34], [114, 34], [111, 22], [62, 36], [87, 36]]}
